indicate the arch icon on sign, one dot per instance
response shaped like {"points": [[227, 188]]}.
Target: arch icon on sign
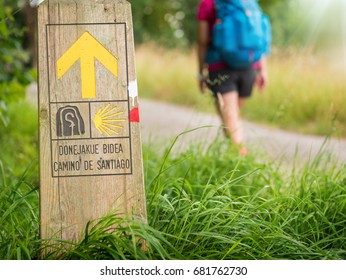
{"points": [[87, 49], [69, 122]]}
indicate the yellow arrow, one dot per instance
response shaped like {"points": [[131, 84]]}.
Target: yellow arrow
{"points": [[87, 48]]}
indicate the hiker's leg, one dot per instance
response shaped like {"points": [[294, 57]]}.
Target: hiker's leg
{"points": [[243, 150], [228, 107], [242, 101]]}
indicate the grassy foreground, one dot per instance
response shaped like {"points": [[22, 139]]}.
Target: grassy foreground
{"points": [[306, 92], [202, 204]]}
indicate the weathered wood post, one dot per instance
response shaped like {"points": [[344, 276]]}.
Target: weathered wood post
{"points": [[90, 147]]}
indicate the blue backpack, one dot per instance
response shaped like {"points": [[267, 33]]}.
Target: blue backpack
{"points": [[242, 33]]}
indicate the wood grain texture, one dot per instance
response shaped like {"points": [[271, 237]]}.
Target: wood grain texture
{"points": [[85, 172]]}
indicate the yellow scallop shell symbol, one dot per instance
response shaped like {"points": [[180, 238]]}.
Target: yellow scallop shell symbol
{"points": [[107, 120]]}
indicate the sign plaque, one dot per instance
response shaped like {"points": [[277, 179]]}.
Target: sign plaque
{"points": [[90, 147]]}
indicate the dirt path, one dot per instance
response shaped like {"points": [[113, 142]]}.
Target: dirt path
{"points": [[161, 123]]}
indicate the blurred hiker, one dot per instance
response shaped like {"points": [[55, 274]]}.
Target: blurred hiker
{"points": [[233, 37]]}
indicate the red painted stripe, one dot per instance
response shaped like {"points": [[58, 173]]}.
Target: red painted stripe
{"points": [[134, 115]]}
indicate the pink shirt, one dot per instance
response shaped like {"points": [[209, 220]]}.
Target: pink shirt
{"points": [[206, 12]]}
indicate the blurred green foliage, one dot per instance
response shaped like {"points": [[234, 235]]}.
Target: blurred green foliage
{"points": [[173, 23], [14, 74], [167, 22]]}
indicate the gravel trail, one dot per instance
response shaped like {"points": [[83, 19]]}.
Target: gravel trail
{"points": [[161, 121]]}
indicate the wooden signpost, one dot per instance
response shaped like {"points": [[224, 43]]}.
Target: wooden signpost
{"points": [[90, 147]]}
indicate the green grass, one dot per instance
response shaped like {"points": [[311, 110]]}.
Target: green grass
{"points": [[205, 203], [306, 91], [305, 94], [19, 139], [216, 205], [19, 217]]}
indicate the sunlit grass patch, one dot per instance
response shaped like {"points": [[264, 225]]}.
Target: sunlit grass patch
{"points": [[306, 91], [305, 94], [169, 76]]}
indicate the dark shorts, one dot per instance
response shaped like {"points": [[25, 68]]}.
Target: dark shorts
{"points": [[226, 80]]}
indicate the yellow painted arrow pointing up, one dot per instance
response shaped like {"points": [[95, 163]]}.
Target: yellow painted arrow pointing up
{"points": [[87, 48]]}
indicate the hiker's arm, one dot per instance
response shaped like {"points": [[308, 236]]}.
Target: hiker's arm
{"points": [[203, 41], [262, 74]]}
